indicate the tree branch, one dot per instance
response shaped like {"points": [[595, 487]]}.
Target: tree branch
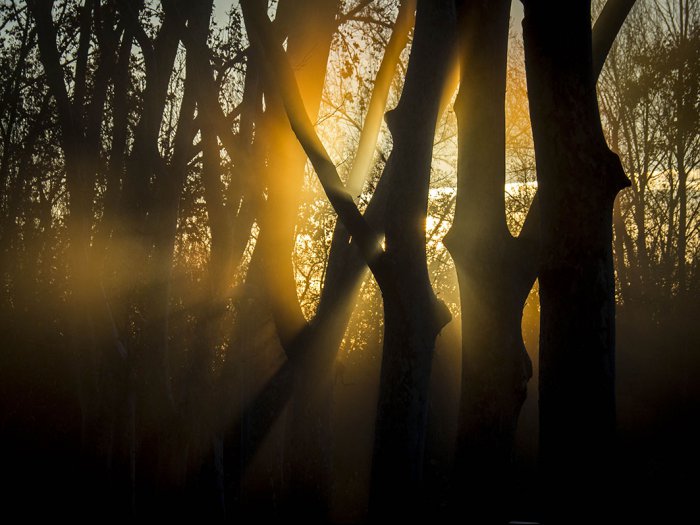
{"points": [[50, 59], [606, 28], [280, 71]]}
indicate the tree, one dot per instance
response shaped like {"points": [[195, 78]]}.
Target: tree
{"points": [[577, 287], [406, 363], [496, 270]]}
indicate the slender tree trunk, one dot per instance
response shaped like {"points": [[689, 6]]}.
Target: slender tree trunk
{"points": [[495, 270], [78, 185], [9, 105], [145, 230], [310, 27], [413, 316], [308, 442], [668, 255], [682, 130], [623, 271], [143, 248], [578, 179], [641, 240], [682, 219], [607, 25]]}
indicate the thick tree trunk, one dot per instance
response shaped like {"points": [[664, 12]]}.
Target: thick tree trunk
{"points": [[495, 270], [413, 316], [578, 178]]}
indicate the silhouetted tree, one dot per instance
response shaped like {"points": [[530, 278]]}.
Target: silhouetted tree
{"points": [[578, 179]]}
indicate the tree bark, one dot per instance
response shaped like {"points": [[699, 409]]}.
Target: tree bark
{"points": [[495, 270], [79, 188], [607, 25], [413, 316], [143, 247], [317, 344], [578, 179]]}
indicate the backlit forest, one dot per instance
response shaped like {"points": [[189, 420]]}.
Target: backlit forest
{"points": [[349, 260]]}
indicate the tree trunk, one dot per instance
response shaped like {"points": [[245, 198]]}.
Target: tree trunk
{"points": [[413, 316], [79, 189], [623, 270], [578, 179], [309, 27], [495, 270], [143, 247], [682, 219], [317, 343], [407, 412]]}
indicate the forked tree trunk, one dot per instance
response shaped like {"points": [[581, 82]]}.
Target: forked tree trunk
{"points": [[495, 270]]}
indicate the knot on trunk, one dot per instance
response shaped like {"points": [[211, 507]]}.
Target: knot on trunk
{"points": [[616, 177], [391, 118], [441, 315]]}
